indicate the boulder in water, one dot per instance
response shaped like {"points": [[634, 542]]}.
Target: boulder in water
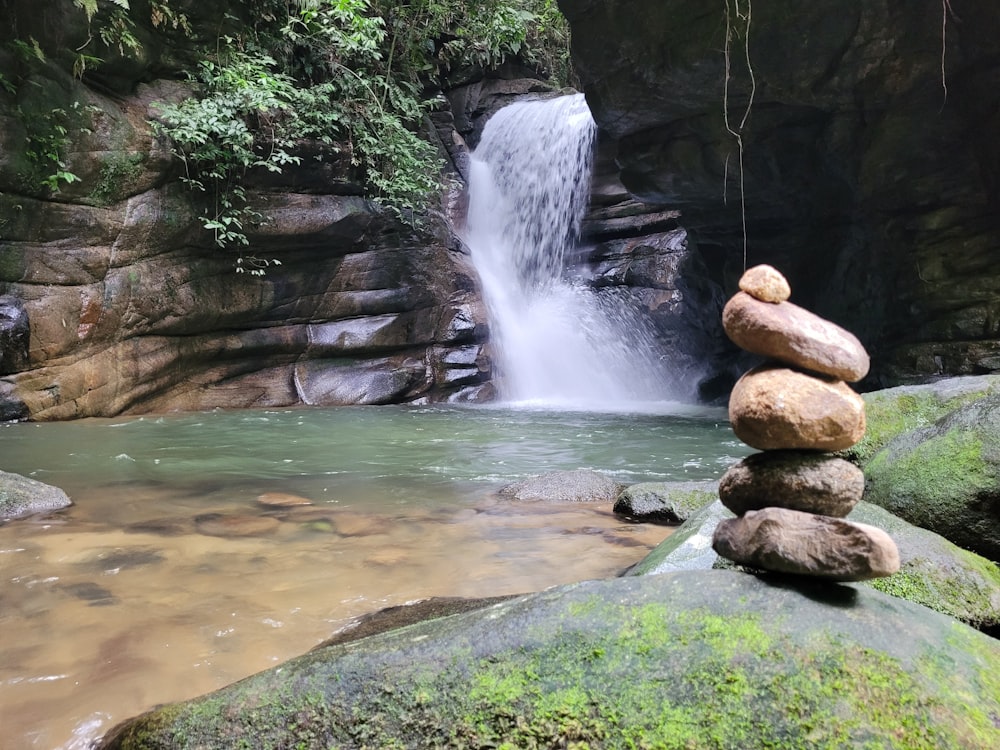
{"points": [[22, 496], [577, 486], [669, 503]]}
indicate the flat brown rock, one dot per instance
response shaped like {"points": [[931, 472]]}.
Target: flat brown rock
{"points": [[282, 500], [765, 283], [789, 541], [774, 408], [801, 480], [792, 334]]}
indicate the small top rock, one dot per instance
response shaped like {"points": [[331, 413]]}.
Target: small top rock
{"points": [[765, 283]]}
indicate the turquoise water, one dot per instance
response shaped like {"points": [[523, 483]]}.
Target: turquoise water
{"points": [[167, 578]]}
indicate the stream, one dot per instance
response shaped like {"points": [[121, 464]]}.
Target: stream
{"points": [[168, 578]]}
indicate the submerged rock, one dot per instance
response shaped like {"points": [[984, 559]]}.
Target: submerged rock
{"points": [[22, 496], [577, 486], [701, 659], [235, 524]]}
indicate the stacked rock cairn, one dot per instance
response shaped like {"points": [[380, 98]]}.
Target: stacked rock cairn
{"points": [[791, 498]]}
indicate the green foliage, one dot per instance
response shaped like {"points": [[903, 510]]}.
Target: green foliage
{"points": [[354, 74], [48, 135]]}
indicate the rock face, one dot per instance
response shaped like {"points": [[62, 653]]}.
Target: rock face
{"points": [[708, 658], [115, 300], [946, 476], [870, 174]]}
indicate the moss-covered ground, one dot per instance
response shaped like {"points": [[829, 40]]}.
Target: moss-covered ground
{"points": [[653, 678]]}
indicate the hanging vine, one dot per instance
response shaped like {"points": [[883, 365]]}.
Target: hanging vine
{"points": [[738, 19]]}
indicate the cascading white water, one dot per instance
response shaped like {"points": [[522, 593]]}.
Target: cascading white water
{"points": [[557, 342]]}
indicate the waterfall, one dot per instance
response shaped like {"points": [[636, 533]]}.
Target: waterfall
{"points": [[557, 341]]}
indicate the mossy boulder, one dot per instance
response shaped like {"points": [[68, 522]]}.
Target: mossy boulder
{"points": [[713, 659], [933, 571], [893, 411], [946, 477], [668, 503], [936, 573], [22, 496]]}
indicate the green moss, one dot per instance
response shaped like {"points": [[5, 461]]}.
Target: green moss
{"points": [[889, 413], [118, 177], [691, 680], [966, 591], [943, 471], [750, 689]]}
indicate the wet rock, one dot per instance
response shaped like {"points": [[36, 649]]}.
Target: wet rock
{"points": [[577, 486], [800, 480], [14, 334], [235, 525], [22, 496], [689, 547], [793, 335], [124, 558], [774, 408], [282, 500], [810, 665], [946, 476], [933, 571], [669, 503], [789, 541], [88, 591], [765, 283]]}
